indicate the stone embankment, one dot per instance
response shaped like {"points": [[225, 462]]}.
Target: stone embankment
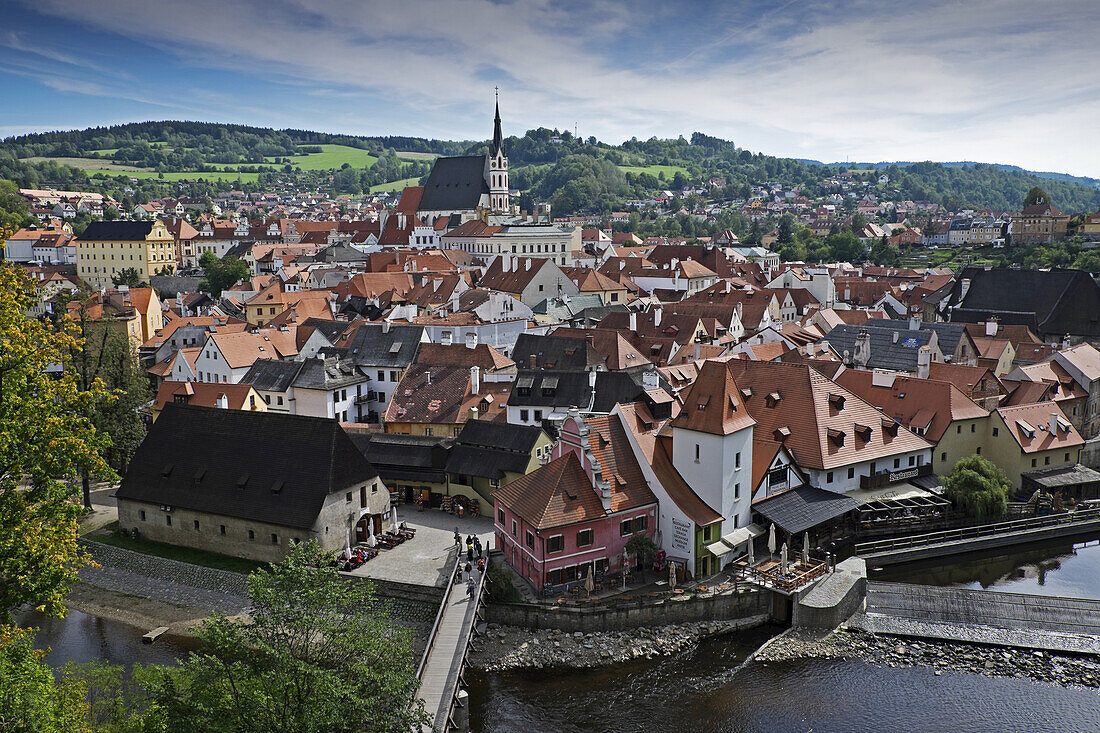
{"points": [[939, 656], [507, 647]]}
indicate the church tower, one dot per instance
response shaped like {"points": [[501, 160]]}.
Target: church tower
{"points": [[498, 169]]}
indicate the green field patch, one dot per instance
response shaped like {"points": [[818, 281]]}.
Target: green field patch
{"points": [[654, 170], [180, 554], [87, 163], [333, 156], [394, 185], [104, 151], [176, 175]]}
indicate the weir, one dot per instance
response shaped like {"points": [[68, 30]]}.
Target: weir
{"points": [[982, 617]]}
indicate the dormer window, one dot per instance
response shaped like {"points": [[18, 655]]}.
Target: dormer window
{"points": [[863, 432], [782, 433], [889, 427], [772, 399], [836, 400], [837, 437]]}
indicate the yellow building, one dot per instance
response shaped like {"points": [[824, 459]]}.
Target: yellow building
{"points": [[106, 248], [1090, 228], [1027, 437]]}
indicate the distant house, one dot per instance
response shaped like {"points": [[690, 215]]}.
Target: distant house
{"points": [[249, 484]]}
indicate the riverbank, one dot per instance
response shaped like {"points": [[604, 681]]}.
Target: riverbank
{"points": [[511, 648], [132, 610], [888, 651]]}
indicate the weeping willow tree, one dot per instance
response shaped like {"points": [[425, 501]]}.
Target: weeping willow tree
{"points": [[979, 488]]}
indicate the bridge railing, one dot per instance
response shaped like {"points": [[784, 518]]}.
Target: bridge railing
{"points": [[982, 530]]}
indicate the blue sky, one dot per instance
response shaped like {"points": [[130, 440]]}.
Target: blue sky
{"points": [[1010, 81]]}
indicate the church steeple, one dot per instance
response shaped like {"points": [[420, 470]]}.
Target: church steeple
{"points": [[496, 174], [497, 147]]}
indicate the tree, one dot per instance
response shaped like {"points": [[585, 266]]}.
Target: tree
{"points": [[220, 274], [30, 698], [845, 247], [883, 253], [642, 549], [127, 276], [46, 439], [1036, 196], [320, 654], [785, 229], [978, 487]]}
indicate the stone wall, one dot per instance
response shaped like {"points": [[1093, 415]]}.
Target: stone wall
{"points": [[170, 571], [749, 603], [834, 599]]}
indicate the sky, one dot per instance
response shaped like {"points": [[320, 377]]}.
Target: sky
{"points": [[996, 81]]}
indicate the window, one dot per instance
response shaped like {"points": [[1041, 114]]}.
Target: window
{"points": [[640, 523], [196, 525], [737, 460], [943, 457], [912, 460], [374, 488], [141, 514], [829, 477], [1067, 458], [381, 376], [958, 429], [523, 415], [736, 521], [538, 415], [274, 538], [529, 540], [540, 288], [995, 432], [626, 527], [736, 491], [515, 532], [428, 432], [494, 483], [394, 377], [1046, 460], [347, 498], [978, 451], [584, 538], [696, 452], [972, 428], [168, 520], [897, 462], [500, 517], [851, 472], [221, 529], [1033, 462]]}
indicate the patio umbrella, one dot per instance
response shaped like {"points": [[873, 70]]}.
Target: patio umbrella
{"points": [[806, 547], [394, 514], [752, 560], [771, 539], [672, 575], [783, 558], [371, 539], [626, 559], [347, 543], [589, 583]]}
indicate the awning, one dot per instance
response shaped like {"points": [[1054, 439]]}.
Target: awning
{"points": [[734, 539], [891, 492]]}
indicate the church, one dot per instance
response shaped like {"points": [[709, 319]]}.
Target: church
{"points": [[464, 184]]}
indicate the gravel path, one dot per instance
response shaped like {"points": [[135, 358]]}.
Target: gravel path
{"points": [[123, 581]]}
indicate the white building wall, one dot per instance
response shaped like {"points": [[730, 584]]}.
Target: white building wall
{"points": [[722, 476]]}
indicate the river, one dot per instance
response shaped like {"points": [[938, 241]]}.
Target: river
{"points": [[710, 689]]}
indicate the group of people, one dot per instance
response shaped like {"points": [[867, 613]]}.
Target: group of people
{"points": [[473, 546]]}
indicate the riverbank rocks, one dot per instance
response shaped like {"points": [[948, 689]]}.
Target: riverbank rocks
{"points": [[506, 648], [991, 661]]}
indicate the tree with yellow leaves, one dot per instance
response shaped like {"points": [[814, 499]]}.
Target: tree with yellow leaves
{"points": [[45, 442]]}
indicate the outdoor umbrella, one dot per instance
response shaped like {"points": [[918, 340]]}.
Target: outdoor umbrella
{"points": [[371, 539], [806, 547], [783, 558], [589, 583], [672, 575], [752, 560], [347, 543], [771, 539], [626, 559], [394, 511]]}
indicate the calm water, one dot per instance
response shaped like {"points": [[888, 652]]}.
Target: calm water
{"points": [[83, 638]]}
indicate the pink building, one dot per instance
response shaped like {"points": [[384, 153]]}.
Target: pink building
{"points": [[576, 513]]}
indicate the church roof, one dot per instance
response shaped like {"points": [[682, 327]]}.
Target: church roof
{"points": [[498, 137], [456, 183]]}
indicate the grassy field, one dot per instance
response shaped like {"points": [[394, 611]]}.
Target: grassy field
{"points": [[409, 155], [87, 163], [653, 170], [334, 156], [177, 176], [394, 185], [182, 554]]}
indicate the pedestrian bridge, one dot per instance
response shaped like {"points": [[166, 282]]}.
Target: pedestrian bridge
{"points": [[441, 667], [983, 617]]}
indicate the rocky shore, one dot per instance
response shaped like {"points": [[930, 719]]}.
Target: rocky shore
{"points": [[506, 647], [941, 657]]}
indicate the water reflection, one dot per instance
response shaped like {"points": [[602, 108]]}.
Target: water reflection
{"points": [[80, 638]]}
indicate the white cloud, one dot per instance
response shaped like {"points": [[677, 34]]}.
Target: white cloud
{"points": [[1000, 81]]}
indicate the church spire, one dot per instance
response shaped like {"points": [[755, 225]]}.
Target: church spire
{"points": [[498, 137]]}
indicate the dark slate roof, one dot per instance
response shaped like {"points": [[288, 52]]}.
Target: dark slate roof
{"points": [[489, 449], [373, 347], [885, 354], [614, 388], [338, 252], [116, 231], [803, 508], [455, 183], [272, 375], [554, 352], [405, 457], [328, 373], [552, 388], [331, 330], [1052, 302], [948, 335], [257, 466]]}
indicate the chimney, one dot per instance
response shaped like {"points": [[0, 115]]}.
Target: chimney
{"points": [[471, 339], [385, 326], [964, 288], [825, 348], [1053, 427], [592, 379], [882, 378], [895, 337], [505, 263], [862, 349], [1065, 342], [697, 352], [991, 327], [633, 322], [475, 380], [809, 348], [223, 403], [622, 265], [657, 316], [650, 379], [429, 376], [914, 323], [446, 338], [727, 286], [454, 301], [924, 362], [527, 264]]}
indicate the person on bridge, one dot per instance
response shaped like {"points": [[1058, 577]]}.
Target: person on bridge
{"points": [[458, 538], [470, 587]]}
